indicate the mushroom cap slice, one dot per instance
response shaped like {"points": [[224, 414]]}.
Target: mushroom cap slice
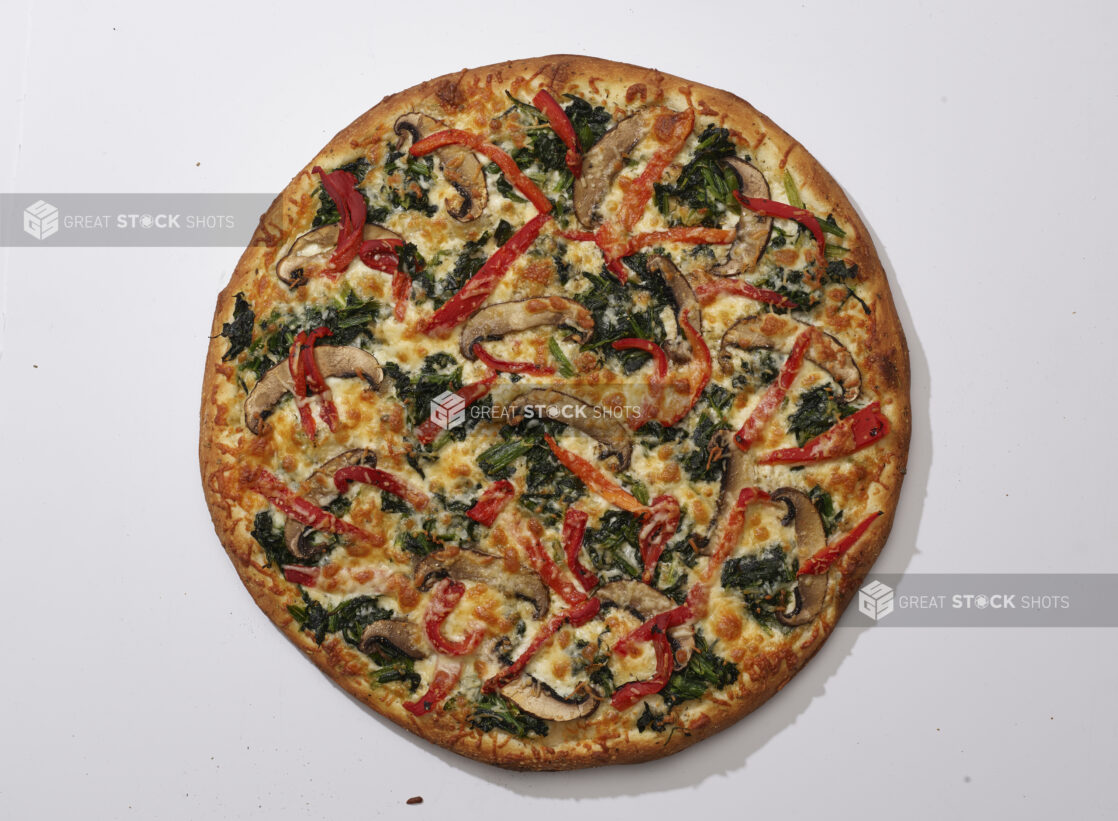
{"points": [[752, 233], [320, 491], [737, 475], [811, 589], [644, 602], [333, 360], [602, 162], [461, 168], [494, 321], [313, 250], [475, 566], [402, 634], [677, 348], [533, 696], [557, 406], [778, 333]]}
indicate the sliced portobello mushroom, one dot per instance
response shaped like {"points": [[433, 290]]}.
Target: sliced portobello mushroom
{"points": [[677, 348], [321, 492], [533, 696], [475, 566], [601, 164], [778, 333], [752, 233], [340, 361], [501, 318], [310, 252], [557, 406], [644, 602], [736, 477], [461, 168], [811, 589], [402, 634]]}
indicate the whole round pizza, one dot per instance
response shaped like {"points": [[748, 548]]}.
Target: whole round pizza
{"points": [[556, 410]]}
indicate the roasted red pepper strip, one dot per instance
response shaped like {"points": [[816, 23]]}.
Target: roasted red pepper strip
{"points": [[491, 503], [383, 255], [268, 485], [296, 366], [821, 562], [656, 531], [629, 694], [775, 394], [446, 676], [661, 622], [478, 288], [700, 360], [577, 616], [771, 208], [508, 166], [510, 367], [671, 129], [847, 436], [561, 124], [429, 431], [574, 527], [658, 356], [614, 245], [315, 382], [444, 598], [732, 534], [595, 479], [341, 186], [379, 478], [300, 574], [549, 571], [708, 291]]}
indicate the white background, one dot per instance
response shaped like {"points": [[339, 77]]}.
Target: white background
{"points": [[978, 142]]}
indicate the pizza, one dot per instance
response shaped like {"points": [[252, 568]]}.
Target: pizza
{"points": [[556, 410]]}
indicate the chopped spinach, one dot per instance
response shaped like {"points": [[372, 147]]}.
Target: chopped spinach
{"points": [[495, 712], [826, 507], [700, 462], [614, 546], [269, 535], [590, 122], [617, 314], [349, 618], [817, 410], [650, 720], [705, 185], [410, 193], [239, 331], [765, 580], [706, 670]]}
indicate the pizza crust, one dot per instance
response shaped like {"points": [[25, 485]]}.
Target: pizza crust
{"points": [[884, 364]]}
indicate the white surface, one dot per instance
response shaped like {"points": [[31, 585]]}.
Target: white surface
{"points": [[977, 140]]}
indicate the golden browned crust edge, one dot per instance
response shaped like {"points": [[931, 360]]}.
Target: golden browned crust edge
{"points": [[887, 364]]}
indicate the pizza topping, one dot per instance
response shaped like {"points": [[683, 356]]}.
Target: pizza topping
{"points": [[272, 488], [561, 125], [654, 609], [685, 301], [781, 334], [497, 320], [341, 186], [551, 574], [629, 694], [401, 634], [487, 508], [384, 255], [699, 369], [300, 574], [670, 129], [474, 566], [603, 162], [732, 525], [478, 288], [310, 253], [533, 696], [382, 479], [574, 528], [736, 477], [709, 291], [847, 436], [459, 165], [773, 396], [444, 598], [429, 431], [508, 166], [309, 380], [594, 479], [753, 229], [657, 530], [319, 490], [771, 208], [442, 684], [332, 361], [556, 406], [822, 560], [811, 587], [504, 366]]}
